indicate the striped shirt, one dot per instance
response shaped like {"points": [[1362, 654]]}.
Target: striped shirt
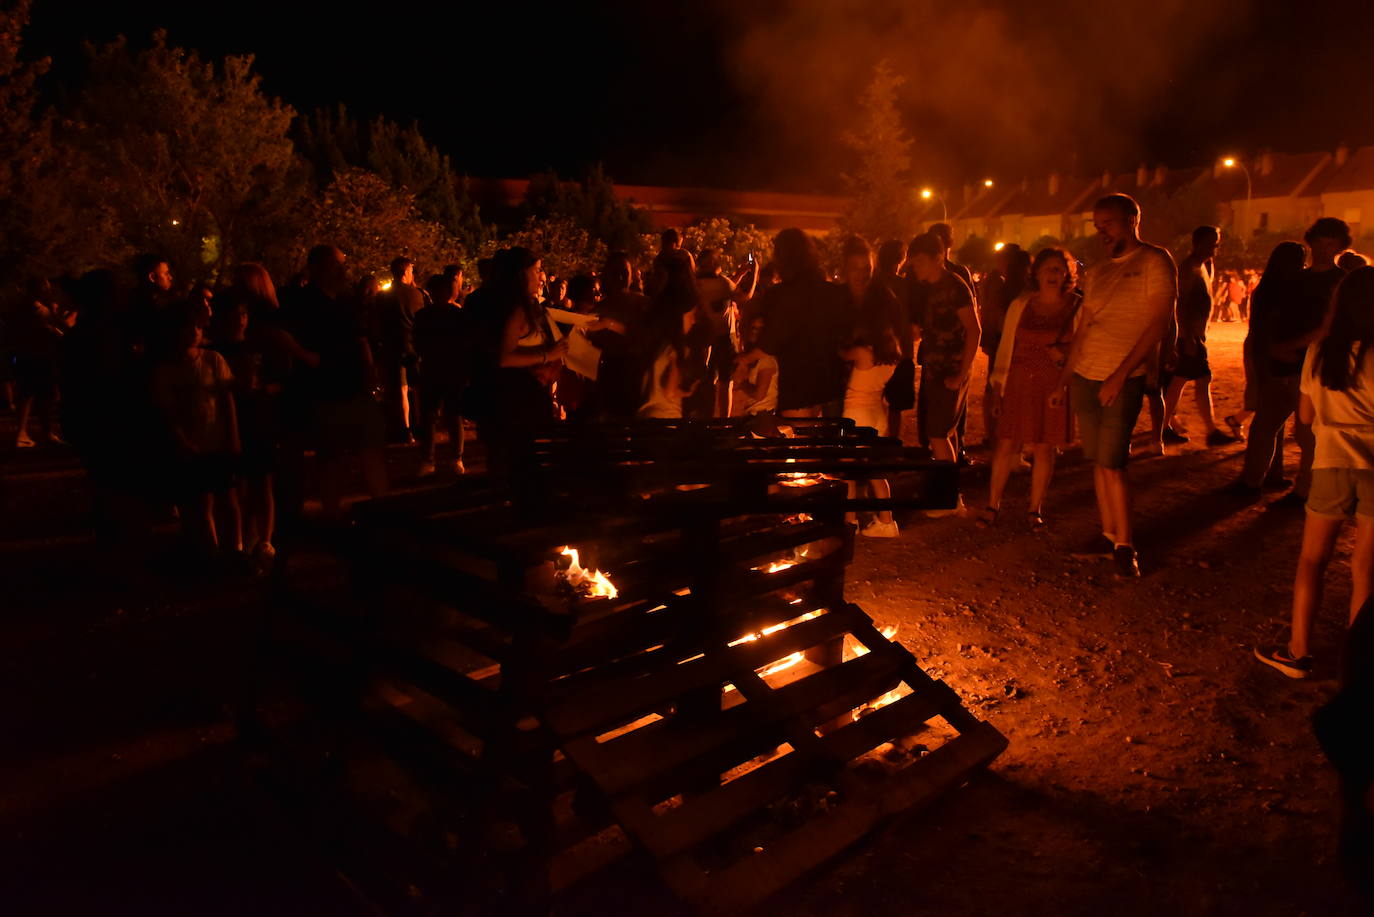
{"points": [[1116, 308]]}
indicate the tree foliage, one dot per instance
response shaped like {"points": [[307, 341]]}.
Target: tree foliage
{"points": [[373, 222], [591, 203], [734, 241], [196, 157], [882, 200], [331, 141]]}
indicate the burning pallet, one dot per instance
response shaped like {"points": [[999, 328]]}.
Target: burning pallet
{"points": [[668, 663]]}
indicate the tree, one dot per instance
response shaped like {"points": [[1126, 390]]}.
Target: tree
{"points": [[331, 140], [373, 222], [734, 241], [882, 204], [591, 203], [44, 228], [566, 247], [196, 160]]}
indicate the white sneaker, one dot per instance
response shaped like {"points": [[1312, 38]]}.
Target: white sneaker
{"points": [[942, 513], [426, 469], [877, 529]]}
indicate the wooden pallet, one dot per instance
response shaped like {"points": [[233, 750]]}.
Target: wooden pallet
{"points": [[663, 778]]}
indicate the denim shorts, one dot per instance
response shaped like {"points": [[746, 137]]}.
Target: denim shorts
{"points": [[1340, 492], [1106, 431]]}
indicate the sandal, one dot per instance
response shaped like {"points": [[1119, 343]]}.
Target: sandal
{"points": [[1036, 521], [1235, 425], [987, 516]]}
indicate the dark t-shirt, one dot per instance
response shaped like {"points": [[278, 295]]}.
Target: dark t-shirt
{"points": [[806, 322], [331, 329], [1302, 313], [441, 343], [396, 310], [936, 310]]}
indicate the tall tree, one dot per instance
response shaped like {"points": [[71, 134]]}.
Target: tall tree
{"points": [[592, 204], [332, 140], [198, 159], [882, 203]]}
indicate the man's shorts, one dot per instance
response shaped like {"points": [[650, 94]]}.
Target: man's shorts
{"points": [[1193, 366], [1106, 431], [1340, 492], [940, 408]]}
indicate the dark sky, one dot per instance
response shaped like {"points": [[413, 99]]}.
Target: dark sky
{"points": [[755, 93]]}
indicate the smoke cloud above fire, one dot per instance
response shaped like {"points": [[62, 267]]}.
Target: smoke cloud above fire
{"points": [[1006, 89]]}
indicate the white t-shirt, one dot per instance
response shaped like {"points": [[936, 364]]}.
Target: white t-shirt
{"points": [[189, 390], [1344, 422], [769, 400], [1116, 308]]}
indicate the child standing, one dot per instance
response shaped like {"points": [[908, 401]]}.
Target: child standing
{"points": [[1338, 401], [193, 389]]}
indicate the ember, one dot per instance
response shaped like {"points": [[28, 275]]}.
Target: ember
{"points": [[591, 583]]}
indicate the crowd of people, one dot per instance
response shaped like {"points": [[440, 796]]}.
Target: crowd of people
{"points": [[211, 397]]}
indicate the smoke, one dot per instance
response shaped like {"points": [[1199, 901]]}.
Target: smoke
{"points": [[1006, 89]]}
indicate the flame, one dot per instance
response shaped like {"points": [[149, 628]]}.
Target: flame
{"points": [[588, 582], [854, 650], [786, 662], [799, 479]]}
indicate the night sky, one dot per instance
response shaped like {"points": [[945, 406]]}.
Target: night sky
{"points": [[756, 94]]}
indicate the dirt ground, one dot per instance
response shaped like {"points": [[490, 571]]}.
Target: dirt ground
{"points": [[1154, 766]]}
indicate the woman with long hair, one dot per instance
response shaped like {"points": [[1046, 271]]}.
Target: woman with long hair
{"points": [[1028, 401], [872, 355], [1280, 285], [1338, 401], [675, 339]]}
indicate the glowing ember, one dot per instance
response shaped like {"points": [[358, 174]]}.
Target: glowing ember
{"points": [[786, 662], [799, 479], [854, 650], [592, 583]]}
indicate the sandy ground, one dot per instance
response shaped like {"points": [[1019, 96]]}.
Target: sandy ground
{"points": [[1154, 767]]}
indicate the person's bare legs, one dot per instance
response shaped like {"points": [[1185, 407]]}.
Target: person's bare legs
{"points": [[456, 439], [25, 409], [1318, 540], [1005, 454], [1171, 399], [1113, 503], [1202, 396], [1041, 472], [881, 490], [198, 521], [229, 527]]}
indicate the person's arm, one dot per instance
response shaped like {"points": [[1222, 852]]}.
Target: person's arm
{"points": [[1307, 411], [1161, 297], [968, 317], [513, 356], [742, 293]]}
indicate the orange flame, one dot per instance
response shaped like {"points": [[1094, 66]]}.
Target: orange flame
{"points": [[854, 650], [589, 582]]}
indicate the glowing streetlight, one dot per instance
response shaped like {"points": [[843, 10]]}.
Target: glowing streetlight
{"points": [[987, 183], [384, 285], [1232, 163], [999, 246], [927, 194]]}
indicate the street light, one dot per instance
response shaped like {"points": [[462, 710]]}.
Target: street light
{"points": [[1231, 163], [927, 194], [987, 183]]}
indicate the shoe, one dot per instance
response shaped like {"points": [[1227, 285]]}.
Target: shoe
{"points": [[426, 469], [1155, 449], [1095, 547], [987, 517], [965, 460], [52, 439], [1276, 484], [459, 468], [1127, 562], [1218, 438], [942, 513], [1172, 438], [1036, 521], [1234, 423], [881, 530], [1290, 500], [1277, 656], [264, 555], [1241, 489], [23, 442]]}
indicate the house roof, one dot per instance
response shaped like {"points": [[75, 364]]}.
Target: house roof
{"points": [[1356, 175]]}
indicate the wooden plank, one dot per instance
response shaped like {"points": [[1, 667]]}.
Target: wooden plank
{"points": [[753, 879], [625, 699], [659, 754]]}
